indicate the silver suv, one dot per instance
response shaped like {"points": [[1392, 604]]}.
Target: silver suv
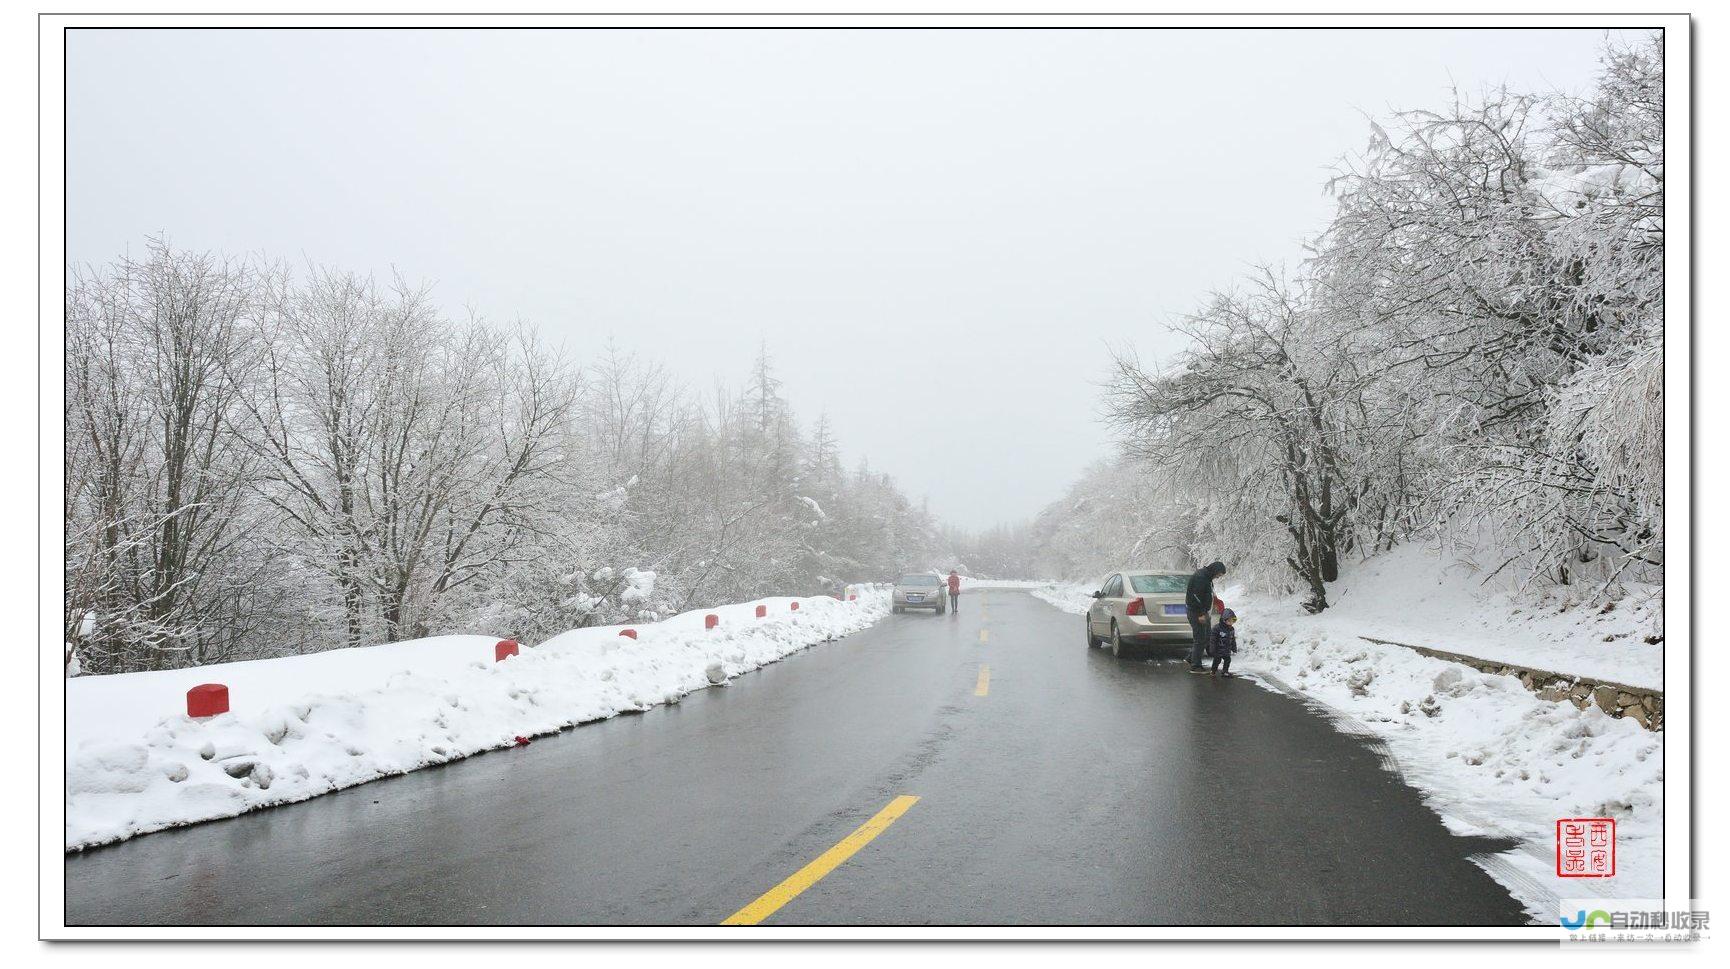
{"points": [[919, 591]]}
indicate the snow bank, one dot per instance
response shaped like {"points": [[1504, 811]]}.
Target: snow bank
{"points": [[302, 726], [1404, 596], [1067, 596], [102, 708], [1490, 757], [1410, 595], [969, 582]]}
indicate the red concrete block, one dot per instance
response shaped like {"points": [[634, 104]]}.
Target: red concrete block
{"points": [[505, 647], [207, 700], [793, 606], [762, 611], [711, 621], [628, 633]]}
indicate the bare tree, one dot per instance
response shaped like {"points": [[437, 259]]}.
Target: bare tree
{"points": [[158, 539]]}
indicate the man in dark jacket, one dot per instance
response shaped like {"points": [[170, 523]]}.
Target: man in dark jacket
{"points": [[1198, 600]]}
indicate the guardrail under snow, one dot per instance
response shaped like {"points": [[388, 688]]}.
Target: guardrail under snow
{"points": [[301, 726]]}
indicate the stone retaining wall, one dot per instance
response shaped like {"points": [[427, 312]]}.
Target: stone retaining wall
{"points": [[1644, 705]]}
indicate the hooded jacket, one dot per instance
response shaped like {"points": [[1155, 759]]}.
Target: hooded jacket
{"points": [[1224, 641], [1198, 597]]}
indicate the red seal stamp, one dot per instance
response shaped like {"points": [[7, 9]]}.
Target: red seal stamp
{"points": [[1585, 847]]}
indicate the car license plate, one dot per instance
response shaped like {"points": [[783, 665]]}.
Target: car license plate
{"points": [[915, 597], [1174, 610]]}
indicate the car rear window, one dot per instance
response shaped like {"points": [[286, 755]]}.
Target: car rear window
{"points": [[1156, 584], [917, 580]]}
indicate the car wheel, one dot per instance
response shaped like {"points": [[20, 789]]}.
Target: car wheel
{"points": [[1119, 648], [895, 609], [1087, 627]]}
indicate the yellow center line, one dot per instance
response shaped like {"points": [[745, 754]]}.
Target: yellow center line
{"points": [[984, 685], [984, 636], [770, 901]]}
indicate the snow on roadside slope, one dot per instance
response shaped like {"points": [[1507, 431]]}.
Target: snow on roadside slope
{"points": [[1404, 596], [302, 726], [99, 708], [1068, 596], [969, 582], [1490, 757]]}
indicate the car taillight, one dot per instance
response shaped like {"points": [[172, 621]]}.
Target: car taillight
{"points": [[1136, 607]]}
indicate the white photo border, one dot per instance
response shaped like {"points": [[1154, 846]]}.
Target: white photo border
{"points": [[1679, 868]]}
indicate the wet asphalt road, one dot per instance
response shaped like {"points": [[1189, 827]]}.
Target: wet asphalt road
{"points": [[1079, 789]]}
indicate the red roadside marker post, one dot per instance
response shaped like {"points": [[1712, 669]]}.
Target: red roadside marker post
{"points": [[505, 647], [207, 700], [711, 621]]}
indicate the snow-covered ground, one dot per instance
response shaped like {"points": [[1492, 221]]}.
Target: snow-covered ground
{"points": [[302, 726], [1490, 757], [969, 582], [1403, 596], [1069, 596]]}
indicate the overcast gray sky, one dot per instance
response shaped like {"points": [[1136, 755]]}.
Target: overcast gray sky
{"points": [[919, 223]]}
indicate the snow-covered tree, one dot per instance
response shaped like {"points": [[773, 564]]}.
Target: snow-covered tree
{"points": [[160, 541], [262, 461], [1474, 353]]}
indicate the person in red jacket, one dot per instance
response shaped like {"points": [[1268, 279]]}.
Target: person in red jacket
{"points": [[954, 590]]}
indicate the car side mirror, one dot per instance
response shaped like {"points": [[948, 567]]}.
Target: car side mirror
{"points": [[1099, 595]]}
